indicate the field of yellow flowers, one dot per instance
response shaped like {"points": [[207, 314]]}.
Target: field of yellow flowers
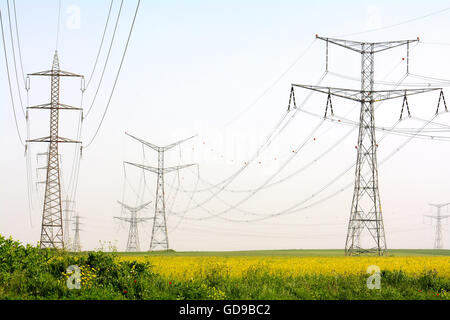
{"points": [[186, 267], [27, 272]]}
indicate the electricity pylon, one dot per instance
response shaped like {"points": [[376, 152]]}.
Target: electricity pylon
{"points": [[76, 239], [39, 169], [438, 244], [67, 219], [133, 235], [52, 235], [366, 214], [159, 237]]}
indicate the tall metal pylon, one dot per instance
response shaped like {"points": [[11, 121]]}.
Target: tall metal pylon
{"points": [[366, 213], [76, 247], [438, 244], [52, 235], [160, 239], [40, 168], [133, 244]]}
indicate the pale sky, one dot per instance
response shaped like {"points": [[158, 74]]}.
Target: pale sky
{"points": [[222, 70]]}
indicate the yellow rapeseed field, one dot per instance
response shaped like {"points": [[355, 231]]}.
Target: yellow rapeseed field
{"points": [[185, 267]]}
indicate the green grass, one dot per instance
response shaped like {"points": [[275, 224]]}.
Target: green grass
{"points": [[285, 253]]}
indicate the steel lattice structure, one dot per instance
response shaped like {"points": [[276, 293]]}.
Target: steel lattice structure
{"points": [[52, 235], [159, 239], [76, 247], [67, 219], [133, 234], [438, 244], [366, 213]]}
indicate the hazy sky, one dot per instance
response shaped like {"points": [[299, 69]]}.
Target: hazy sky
{"points": [[222, 70]]}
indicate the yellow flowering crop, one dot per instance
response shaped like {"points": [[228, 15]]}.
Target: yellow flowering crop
{"points": [[185, 267]]}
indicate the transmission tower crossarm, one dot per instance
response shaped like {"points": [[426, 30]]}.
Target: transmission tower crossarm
{"points": [[439, 205], [162, 170], [134, 209], [167, 170], [155, 147], [359, 96], [138, 220], [49, 106], [148, 144], [173, 145], [437, 217], [141, 166], [58, 140], [56, 73], [359, 46]]}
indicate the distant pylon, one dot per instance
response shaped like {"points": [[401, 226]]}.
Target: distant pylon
{"points": [[366, 214], [67, 219], [438, 243], [159, 239], [133, 234], [52, 235], [76, 239]]}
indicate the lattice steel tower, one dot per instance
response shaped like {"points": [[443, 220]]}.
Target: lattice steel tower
{"points": [[76, 247], [366, 214], [159, 237], [133, 234], [438, 244], [68, 211], [52, 235]]}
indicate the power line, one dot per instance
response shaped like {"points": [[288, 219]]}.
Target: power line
{"points": [[396, 24], [106, 61], [298, 171], [267, 142], [9, 83], [101, 44], [14, 58], [18, 40], [251, 213], [293, 209], [281, 168], [58, 26], [74, 175], [27, 146], [431, 78], [437, 43], [272, 85], [117, 76]]}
